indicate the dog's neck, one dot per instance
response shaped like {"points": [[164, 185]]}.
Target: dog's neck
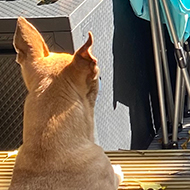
{"points": [[59, 120]]}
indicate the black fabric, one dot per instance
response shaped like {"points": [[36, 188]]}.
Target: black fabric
{"points": [[134, 72]]}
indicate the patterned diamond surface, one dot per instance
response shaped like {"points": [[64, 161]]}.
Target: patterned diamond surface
{"points": [[113, 126]]}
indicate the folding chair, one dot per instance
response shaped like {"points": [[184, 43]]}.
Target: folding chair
{"points": [[173, 13]]}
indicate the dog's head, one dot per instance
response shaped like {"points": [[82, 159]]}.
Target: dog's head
{"points": [[42, 69]]}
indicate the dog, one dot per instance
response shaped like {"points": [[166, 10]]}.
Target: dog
{"points": [[58, 150]]}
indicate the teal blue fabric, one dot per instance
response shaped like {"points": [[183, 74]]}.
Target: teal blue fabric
{"points": [[180, 11]]}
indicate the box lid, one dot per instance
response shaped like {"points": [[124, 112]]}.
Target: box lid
{"points": [[63, 15]]}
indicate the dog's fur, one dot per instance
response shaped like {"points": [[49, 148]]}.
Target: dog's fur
{"points": [[58, 151]]}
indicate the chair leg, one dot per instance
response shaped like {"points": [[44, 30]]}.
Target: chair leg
{"points": [[159, 75], [177, 107], [182, 105], [168, 89]]}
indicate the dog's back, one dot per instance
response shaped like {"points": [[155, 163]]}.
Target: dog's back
{"points": [[58, 151]]}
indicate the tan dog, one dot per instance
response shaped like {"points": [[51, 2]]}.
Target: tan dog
{"points": [[58, 151]]}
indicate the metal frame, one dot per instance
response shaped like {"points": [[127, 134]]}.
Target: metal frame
{"points": [[182, 78], [161, 61], [182, 70]]}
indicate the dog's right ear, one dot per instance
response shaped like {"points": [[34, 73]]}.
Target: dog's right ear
{"points": [[28, 42]]}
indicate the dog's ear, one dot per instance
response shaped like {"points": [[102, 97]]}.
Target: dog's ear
{"points": [[28, 42], [85, 50], [84, 58]]}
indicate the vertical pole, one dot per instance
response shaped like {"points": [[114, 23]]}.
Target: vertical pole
{"points": [[177, 107], [182, 105]]}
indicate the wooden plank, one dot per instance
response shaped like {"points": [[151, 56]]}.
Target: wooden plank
{"points": [[169, 168]]}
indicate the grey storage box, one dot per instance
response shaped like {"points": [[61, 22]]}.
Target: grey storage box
{"points": [[64, 26]]}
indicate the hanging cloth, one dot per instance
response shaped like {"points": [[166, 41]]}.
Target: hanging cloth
{"points": [[180, 12]]}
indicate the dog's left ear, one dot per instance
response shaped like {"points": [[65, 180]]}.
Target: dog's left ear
{"points": [[28, 42]]}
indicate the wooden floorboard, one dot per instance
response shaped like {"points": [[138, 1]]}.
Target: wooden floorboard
{"points": [[168, 168]]}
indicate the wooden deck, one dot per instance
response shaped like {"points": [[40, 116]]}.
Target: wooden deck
{"points": [[169, 168]]}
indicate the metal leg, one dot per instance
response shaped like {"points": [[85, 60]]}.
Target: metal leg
{"points": [[177, 107], [183, 91], [159, 76], [169, 94]]}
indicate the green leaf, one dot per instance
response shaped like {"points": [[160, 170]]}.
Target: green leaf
{"points": [[153, 186]]}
